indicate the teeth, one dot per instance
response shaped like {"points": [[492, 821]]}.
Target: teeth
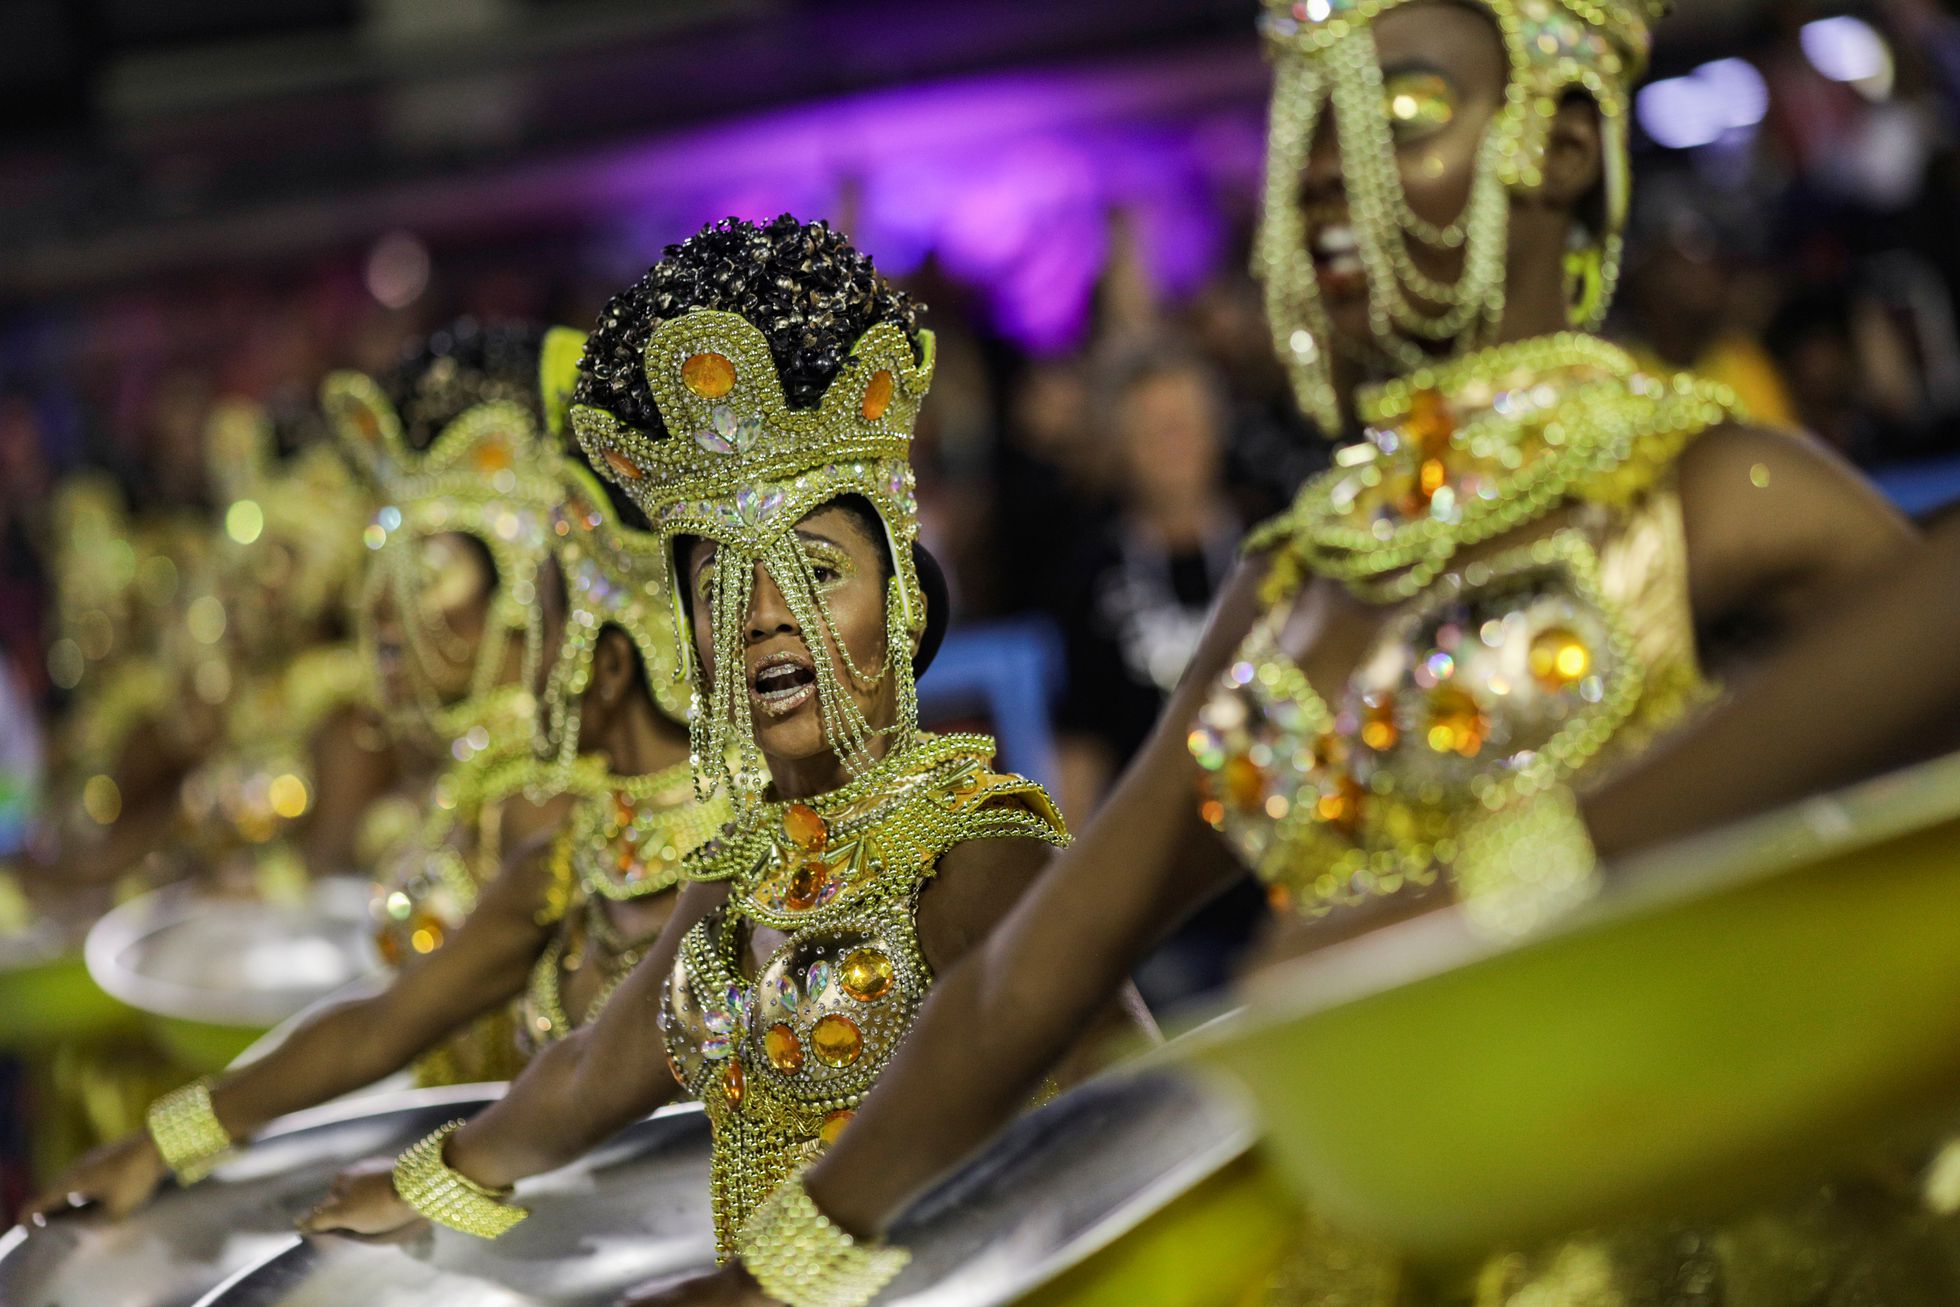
{"points": [[1332, 242]]}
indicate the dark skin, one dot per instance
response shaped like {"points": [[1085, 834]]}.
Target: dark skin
{"points": [[484, 964], [589, 1086], [1759, 554]]}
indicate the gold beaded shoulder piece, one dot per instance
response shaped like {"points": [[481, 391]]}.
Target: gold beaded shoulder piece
{"points": [[1469, 450], [797, 865], [631, 836]]}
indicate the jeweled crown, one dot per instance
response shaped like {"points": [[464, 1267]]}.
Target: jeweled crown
{"points": [[493, 452], [729, 425]]}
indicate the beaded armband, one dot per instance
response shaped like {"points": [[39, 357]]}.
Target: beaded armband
{"points": [[428, 1184], [800, 1257], [186, 1131]]}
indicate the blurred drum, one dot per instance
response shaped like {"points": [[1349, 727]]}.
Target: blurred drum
{"points": [[215, 973], [188, 1241], [1738, 1015], [46, 993]]}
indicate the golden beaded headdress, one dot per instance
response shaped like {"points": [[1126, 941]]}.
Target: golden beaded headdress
{"points": [[740, 467], [1324, 55], [614, 575], [287, 527], [491, 474]]}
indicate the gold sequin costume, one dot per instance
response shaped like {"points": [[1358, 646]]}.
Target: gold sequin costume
{"points": [[783, 1057], [627, 838], [1512, 513], [1488, 683]]}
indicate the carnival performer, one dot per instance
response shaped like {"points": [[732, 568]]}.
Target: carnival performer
{"points": [[1529, 560], [595, 815], [755, 394]]}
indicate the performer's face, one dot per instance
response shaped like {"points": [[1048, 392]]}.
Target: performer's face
{"points": [[848, 560], [1444, 72], [449, 597]]}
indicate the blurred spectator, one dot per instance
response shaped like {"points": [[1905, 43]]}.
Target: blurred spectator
{"points": [[1136, 592], [1681, 305]]}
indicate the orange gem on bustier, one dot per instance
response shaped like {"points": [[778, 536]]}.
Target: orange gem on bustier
{"points": [[1456, 723], [867, 975], [733, 1085], [623, 465], [837, 1041], [805, 828], [1559, 658], [785, 1050], [1245, 783]]}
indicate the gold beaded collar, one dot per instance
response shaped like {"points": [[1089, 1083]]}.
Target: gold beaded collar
{"points": [[1470, 449]]}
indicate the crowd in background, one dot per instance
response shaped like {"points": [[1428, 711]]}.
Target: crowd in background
{"points": [[1805, 253]]}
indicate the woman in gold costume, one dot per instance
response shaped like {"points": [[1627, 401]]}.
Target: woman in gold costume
{"points": [[755, 396], [593, 819], [1528, 560]]}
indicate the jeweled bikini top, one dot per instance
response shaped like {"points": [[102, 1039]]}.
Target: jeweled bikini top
{"points": [[782, 1058], [1495, 680]]}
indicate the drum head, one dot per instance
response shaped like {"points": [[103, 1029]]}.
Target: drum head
{"points": [[1736, 1014], [189, 1240]]}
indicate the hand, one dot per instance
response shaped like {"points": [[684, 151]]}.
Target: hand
{"points": [[362, 1204], [118, 1177], [727, 1286]]}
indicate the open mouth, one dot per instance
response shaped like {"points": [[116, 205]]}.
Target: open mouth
{"points": [[1336, 253], [782, 683]]}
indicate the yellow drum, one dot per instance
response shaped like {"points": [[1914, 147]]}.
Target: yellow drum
{"points": [[1736, 1015]]}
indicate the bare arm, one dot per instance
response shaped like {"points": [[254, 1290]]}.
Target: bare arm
{"points": [[1778, 526], [482, 966], [350, 775], [1860, 686], [593, 1083], [1000, 1019]]}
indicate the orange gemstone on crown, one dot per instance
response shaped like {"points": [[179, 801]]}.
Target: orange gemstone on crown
{"points": [[877, 396], [833, 1126], [733, 1085], [708, 375], [623, 465], [493, 457]]}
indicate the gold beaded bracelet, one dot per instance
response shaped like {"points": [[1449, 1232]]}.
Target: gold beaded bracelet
{"points": [[1525, 863], [448, 1197], [186, 1131], [800, 1257]]}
